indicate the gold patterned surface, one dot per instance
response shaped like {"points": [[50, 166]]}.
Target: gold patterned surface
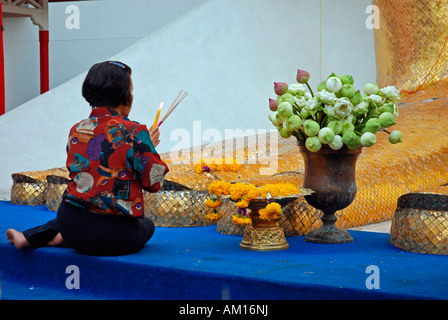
{"points": [[420, 223], [411, 43], [30, 187], [56, 185], [177, 208]]}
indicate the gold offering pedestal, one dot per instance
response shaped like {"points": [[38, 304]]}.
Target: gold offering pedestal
{"points": [[266, 235]]}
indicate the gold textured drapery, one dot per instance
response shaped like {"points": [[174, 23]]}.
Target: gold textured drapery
{"points": [[411, 44]]}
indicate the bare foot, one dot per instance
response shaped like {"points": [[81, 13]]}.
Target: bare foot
{"points": [[17, 238], [57, 240]]}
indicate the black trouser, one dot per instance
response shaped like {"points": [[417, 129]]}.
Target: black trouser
{"points": [[93, 234]]}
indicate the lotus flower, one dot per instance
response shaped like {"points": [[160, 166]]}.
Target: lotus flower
{"points": [[273, 105], [283, 132], [356, 98], [373, 125], [395, 137], [313, 144], [280, 88], [348, 90], [347, 79], [334, 84], [336, 126], [293, 122], [311, 128], [296, 88], [371, 88], [284, 109], [347, 126], [287, 97], [351, 140], [326, 135], [389, 92], [368, 139], [387, 119], [302, 76], [337, 143], [387, 107]]}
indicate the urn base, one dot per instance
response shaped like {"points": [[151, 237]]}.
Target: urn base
{"points": [[329, 234]]}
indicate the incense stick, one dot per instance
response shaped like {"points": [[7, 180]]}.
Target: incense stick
{"points": [[158, 115], [177, 100]]}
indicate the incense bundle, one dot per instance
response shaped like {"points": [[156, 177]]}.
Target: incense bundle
{"points": [[177, 100]]}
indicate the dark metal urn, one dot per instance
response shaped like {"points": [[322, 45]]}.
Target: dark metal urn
{"points": [[331, 175]]}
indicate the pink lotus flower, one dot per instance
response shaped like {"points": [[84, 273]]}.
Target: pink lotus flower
{"points": [[302, 76], [273, 104], [280, 88]]}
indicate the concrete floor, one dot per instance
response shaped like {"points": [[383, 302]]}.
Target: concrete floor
{"points": [[383, 227]]}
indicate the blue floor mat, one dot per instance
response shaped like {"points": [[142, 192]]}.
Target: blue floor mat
{"points": [[200, 263]]}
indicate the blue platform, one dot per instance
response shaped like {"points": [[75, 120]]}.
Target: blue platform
{"points": [[199, 263]]}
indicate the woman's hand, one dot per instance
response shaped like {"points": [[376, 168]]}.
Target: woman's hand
{"points": [[154, 135]]}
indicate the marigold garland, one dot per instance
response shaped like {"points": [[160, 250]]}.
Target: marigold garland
{"points": [[213, 216], [272, 211], [243, 193], [213, 203]]}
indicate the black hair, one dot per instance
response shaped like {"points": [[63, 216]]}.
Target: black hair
{"points": [[108, 84]]}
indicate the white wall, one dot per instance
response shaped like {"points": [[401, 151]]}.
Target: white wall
{"points": [[225, 53], [106, 28]]}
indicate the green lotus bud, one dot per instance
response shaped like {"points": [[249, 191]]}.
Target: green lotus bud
{"points": [[311, 128], [273, 118], [373, 111], [313, 144], [284, 109], [322, 86], [287, 97], [395, 137], [387, 119], [347, 79], [326, 135], [336, 126], [388, 107], [351, 140], [368, 139], [347, 127], [356, 98], [279, 119], [337, 143], [347, 90], [293, 122], [283, 132], [371, 88], [373, 125]]}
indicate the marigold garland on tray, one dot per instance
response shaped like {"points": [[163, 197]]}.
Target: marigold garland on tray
{"points": [[242, 193], [272, 211]]}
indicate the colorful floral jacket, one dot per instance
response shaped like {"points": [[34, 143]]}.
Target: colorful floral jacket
{"points": [[111, 159]]}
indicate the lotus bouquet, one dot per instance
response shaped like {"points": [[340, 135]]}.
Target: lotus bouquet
{"points": [[337, 115]]}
